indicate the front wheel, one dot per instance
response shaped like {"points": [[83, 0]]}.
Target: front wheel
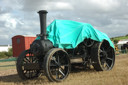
{"points": [[56, 64]]}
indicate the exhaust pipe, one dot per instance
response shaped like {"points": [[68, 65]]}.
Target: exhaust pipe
{"points": [[40, 46], [42, 15]]}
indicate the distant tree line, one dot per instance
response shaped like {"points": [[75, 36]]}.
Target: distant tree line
{"points": [[116, 41], [6, 54]]}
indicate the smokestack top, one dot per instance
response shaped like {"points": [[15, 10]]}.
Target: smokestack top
{"points": [[42, 12], [43, 15]]}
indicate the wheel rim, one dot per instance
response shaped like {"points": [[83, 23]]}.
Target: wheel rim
{"points": [[29, 63], [59, 66], [88, 42], [106, 57]]}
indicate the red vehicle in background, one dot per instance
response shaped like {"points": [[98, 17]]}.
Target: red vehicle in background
{"points": [[21, 43]]}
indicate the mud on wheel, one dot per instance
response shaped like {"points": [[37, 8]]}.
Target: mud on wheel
{"points": [[56, 64], [27, 65], [103, 56]]}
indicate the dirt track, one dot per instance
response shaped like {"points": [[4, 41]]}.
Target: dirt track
{"points": [[117, 76]]}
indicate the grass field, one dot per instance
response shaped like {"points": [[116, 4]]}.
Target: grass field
{"points": [[120, 38], [117, 76]]}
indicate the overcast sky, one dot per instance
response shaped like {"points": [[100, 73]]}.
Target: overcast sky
{"points": [[19, 17]]}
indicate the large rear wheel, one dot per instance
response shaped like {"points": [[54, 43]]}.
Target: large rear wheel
{"points": [[103, 56]]}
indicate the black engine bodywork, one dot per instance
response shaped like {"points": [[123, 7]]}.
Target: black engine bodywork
{"points": [[41, 46]]}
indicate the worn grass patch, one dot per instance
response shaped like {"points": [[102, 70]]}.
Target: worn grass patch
{"points": [[117, 76]]}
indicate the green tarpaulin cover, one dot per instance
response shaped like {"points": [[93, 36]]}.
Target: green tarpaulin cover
{"points": [[68, 34]]}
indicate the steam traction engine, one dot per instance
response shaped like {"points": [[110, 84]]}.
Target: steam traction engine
{"points": [[55, 62]]}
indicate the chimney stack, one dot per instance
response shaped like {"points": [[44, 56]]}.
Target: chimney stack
{"points": [[42, 15]]}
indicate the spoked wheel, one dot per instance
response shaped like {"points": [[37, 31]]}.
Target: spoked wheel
{"points": [[56, 64], [88, 42], [103, 56], [27, 65]]}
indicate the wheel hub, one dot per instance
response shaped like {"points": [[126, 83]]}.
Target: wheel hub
{"points": [[105, 55]]}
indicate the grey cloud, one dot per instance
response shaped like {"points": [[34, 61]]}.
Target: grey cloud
{"points": [[109, 16]]}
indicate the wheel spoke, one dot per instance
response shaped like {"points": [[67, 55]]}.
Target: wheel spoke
{"points": [[61, 72], [34, 60], [30, 58], [109, 59], [56, 62], [61, 68], [65, 65], [108, 49], [59, 64], [107, 65], [102, 62], [62, 57], [57, 73], [52, 65], [58, 59], [30, 74], [101, 51], [27, 59]]}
